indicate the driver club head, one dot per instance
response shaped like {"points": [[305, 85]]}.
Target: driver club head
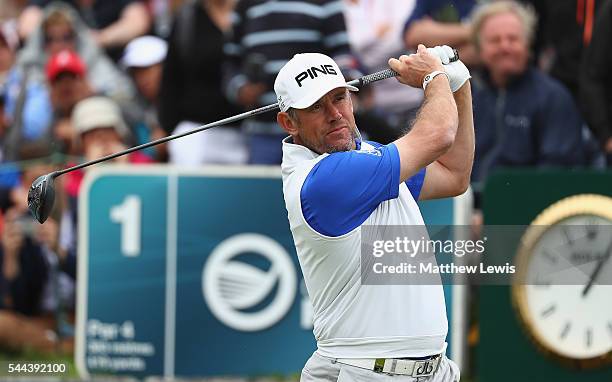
{"points": [[41, 197]]}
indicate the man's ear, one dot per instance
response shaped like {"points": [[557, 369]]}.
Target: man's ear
{"points": [[288, 124]]}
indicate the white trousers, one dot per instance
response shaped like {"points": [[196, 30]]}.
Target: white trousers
{"points": [[319, 368]]}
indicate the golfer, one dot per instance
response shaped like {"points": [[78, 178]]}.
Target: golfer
{"points": [[334, 184]]}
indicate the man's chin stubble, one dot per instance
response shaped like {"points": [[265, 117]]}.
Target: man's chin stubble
{"points": [[341, 148]]}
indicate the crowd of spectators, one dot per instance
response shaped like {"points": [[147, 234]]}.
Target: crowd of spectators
{"points": [[81, 79]]}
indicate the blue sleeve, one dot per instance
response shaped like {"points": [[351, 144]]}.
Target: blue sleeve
{"points": [[37, 112], [342, 190], [415, 183]]}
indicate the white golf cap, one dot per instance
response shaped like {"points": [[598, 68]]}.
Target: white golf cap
{"points": [[144, 51], [306, 78]]}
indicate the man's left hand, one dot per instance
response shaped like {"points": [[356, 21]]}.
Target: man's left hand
{"points": [[457, 72]]}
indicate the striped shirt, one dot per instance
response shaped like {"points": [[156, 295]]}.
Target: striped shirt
{"points": [[268, 33]]}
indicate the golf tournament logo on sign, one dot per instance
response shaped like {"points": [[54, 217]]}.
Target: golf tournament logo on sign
{"points": [[232, 288]]}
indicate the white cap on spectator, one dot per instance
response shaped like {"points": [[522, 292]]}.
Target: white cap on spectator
{"points": [[144, 51], [306, 78], [98, 112]]}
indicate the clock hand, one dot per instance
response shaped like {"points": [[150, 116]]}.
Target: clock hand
{"points": [[598, 268]]}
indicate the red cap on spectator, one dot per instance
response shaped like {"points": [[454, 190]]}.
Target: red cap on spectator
{"points": [[65, 61]]}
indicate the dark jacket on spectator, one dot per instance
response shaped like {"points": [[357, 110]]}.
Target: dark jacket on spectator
{"points": [[24, 293], [596, 79], [191, 80], [533, 122], [566, 27]]}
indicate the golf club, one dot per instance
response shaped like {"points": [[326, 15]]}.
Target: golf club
{"points": [[41, 195]]}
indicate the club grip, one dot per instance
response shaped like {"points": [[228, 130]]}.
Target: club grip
{"points": [[384, 74]]}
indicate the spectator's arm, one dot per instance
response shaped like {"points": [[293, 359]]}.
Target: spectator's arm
{"points": [[134, 21], [430, 33], [595, 97], [420, 28], [28, 21]]}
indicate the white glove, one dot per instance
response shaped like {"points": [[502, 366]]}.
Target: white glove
{"points": [[457, 72]]}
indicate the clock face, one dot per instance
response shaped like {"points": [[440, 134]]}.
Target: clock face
{"points": [[564, 294]]}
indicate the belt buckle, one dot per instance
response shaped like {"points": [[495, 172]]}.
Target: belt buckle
{"points": [[379, 365], [424, 368]]}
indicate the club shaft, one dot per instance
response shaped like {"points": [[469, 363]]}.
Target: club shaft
{"points": [[220, 122], [359, 82]]}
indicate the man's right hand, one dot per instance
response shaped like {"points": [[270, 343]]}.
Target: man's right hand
{"points": [[413, 69], [249, 93]]}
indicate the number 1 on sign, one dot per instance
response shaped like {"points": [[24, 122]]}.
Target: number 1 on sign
{"points": [[128, 215]]}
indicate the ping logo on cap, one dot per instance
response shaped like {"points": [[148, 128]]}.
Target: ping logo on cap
{"points": [[313, 71], [306, 78]]}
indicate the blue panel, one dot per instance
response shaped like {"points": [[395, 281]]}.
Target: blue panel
{"points": [[437, 212], [212, 210], [123, 289]]}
